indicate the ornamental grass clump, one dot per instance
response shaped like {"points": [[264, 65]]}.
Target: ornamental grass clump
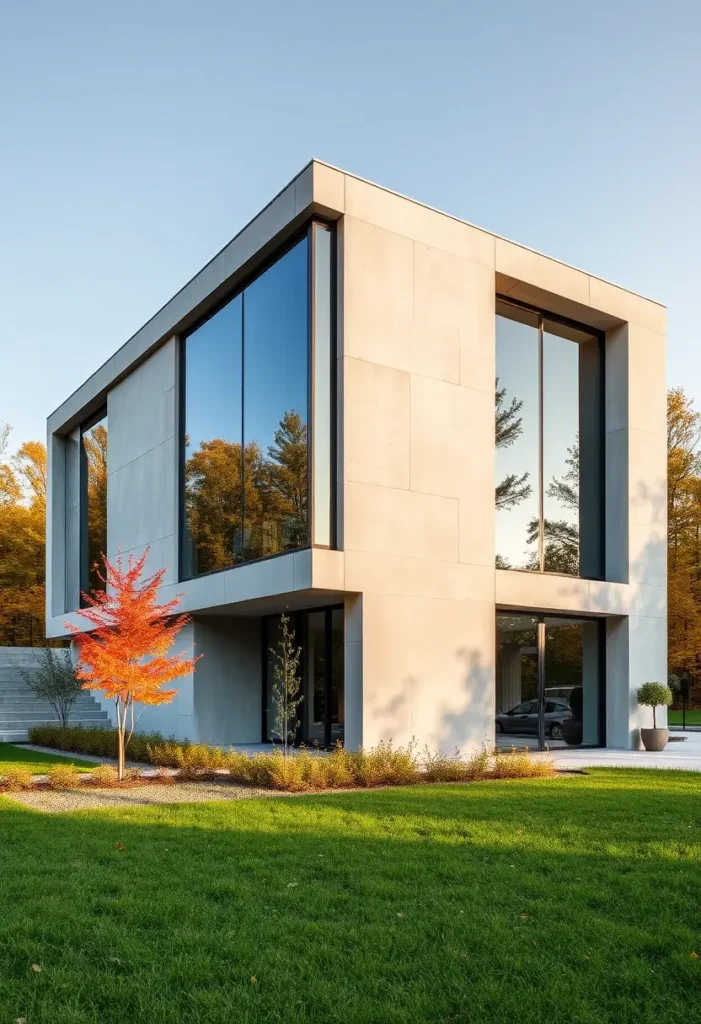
{"points": [[385, 766], [238, 765], [439, 767], [165, 754], [104, 775], [198, 759], [15, 779], [287, 773], [520, 765], [339, 768], [64, 776]]}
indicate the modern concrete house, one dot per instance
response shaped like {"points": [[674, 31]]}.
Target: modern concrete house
{"points": [[441, 453]]}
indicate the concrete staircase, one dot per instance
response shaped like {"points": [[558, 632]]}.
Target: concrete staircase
{"points": [[20, 710]]}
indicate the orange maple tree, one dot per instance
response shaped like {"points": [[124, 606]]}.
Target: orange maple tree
{"points": [[126, 655]]}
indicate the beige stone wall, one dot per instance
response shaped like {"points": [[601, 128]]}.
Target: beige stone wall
{"points": [[417, 468], [416, 471]]}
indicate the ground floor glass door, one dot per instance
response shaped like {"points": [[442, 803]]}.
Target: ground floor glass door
{"points": [[318, 634], [549, 681]]}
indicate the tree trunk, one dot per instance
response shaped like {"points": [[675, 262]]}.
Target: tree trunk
{"points": [[654, 717], [120, 753], [121, 727]]}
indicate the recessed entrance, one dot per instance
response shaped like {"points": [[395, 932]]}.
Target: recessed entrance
{"points": [[319, 634], [549, 681]]}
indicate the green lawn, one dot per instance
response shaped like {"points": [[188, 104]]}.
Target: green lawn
{"points": [[19, 757], [693, 717], [567, 901]]}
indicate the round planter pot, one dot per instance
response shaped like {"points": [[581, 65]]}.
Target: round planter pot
{"points": [[654, 739]]}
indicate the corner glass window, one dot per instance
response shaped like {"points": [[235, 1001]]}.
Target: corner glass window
{"points": [[549, 444], [93, 502], [246, 379]]}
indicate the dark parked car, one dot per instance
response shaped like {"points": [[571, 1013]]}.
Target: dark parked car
{"points": [[523, 719]]}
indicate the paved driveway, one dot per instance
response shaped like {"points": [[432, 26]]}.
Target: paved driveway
{"points": [[683, 751]]}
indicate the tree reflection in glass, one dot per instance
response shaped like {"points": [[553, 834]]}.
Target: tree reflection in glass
{"points": [[275, 407], [548, 433], [517, 441], [245, 446], [95, 455]]}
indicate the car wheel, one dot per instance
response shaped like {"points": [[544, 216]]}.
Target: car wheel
{"points": [[556, 732], [499, 727]]}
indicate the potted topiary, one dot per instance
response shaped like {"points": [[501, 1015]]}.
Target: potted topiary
{"points": [[654, 695]]}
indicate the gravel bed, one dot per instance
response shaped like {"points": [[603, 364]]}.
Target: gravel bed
{"points": [[88, 799]]}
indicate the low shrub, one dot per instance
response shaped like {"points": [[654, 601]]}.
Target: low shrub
{"points": [[104, 775], [166, 753], [16, 778], [440, 767], [96, 742], [520, 765], [64, 776], [384, 766], [305, 770], [339, 768]]}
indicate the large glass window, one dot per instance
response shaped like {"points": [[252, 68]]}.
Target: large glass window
{"points": [[549, 444], [246, 432], [93, 502], [275, 375], [213, 527], [548, 681]]}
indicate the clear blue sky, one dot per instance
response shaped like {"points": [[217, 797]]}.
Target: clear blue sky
{"points": [[136, 138]]}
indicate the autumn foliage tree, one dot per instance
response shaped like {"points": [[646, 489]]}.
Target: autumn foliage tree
{"points": [[684, 535], [126, 653], [22, 530]]}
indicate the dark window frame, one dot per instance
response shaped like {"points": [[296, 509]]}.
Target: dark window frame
{"points": [[83, 531], [308, 232], [544, 315]]}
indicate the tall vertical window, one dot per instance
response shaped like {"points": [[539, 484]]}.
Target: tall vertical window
{"points": [[93, 502], [320, 638], [323, 461], [247, 379], [549, 441], [213, 506], [275, 400]]}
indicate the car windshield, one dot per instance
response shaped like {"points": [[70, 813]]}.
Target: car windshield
{"points": [[523, 709]]}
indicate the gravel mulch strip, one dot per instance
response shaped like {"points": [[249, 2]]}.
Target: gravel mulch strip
{"points": [[88, 799]]}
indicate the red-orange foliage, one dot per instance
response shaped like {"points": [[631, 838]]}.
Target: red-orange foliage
{"points": [[130, 626], [126, 654]]}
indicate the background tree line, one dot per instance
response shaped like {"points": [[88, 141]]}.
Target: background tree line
{"points": [[22, 541], [684, 536]]}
